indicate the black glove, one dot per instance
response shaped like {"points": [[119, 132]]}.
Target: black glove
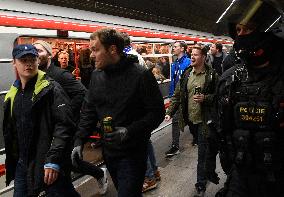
{"points": [[116, 137], [76, 154], [213, 177]]}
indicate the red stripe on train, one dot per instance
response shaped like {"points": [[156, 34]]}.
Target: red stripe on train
{"points": [[40, 23], [2, 169]]}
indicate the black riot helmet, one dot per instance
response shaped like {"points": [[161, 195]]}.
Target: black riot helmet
{"points": [[259, 15], [251, 23]]}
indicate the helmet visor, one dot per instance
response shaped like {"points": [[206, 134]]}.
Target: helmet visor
{"points": [[256, 15]]}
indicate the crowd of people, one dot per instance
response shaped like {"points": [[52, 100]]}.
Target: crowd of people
{"points": [[232, 103]]}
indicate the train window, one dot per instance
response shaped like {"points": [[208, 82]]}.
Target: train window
{"points": [[162, 49], [157, 56], [25, 40], [72, 46]]}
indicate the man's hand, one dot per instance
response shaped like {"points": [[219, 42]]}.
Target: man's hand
{"points": [[76, 71], [50, 175], [199, 98], [167, 117], [117, 136], [76, 154]]}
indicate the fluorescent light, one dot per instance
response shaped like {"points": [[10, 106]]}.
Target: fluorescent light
{"points": [[222, 15], [273, 23]]}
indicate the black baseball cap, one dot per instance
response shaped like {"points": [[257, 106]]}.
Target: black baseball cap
{"points": [[24, 49]]}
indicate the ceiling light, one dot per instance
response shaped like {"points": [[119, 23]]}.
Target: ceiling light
{"points": [[273, 23], [222, 15]]}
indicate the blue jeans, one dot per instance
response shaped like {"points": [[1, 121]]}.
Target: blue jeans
{"points": [[62, 187], [151, 161], [127, 175]]}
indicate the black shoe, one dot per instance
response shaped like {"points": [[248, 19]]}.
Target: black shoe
{"points": [[199, 191], [213, 177], [173, 151]]}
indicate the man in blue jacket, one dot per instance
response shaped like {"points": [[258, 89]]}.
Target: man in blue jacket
{"points": [[177, 68]]}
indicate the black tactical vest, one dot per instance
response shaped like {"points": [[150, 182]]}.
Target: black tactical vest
{"points": [[252, 117]]}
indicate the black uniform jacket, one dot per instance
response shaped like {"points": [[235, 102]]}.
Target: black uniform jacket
{"points": [[130, 95], [74, 88]]}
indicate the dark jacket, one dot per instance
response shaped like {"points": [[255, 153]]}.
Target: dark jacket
{"points": [[216, 62], [180, 97], [229, 61], [74, 88], [51, 135], [130, 95]]}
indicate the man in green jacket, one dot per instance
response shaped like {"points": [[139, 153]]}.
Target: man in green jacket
{"points": [[194, 93]]}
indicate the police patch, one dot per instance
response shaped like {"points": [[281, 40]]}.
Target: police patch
{"points": [[250, 115]]}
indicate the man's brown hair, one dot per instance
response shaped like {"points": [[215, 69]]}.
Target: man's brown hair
{"points": [[108, 37], [200, 48], [182, 44]]}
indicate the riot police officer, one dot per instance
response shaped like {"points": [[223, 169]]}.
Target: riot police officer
{"points": [[250, 103]]}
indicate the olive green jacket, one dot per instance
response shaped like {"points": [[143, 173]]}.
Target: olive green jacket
{"points": [[179, 101]]}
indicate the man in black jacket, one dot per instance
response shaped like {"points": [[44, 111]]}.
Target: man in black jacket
{"points": [[76, 92], [74, 88], [129, 94], [216, 57], [37, 130]]}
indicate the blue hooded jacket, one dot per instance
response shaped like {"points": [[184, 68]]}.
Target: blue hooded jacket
{"points": [[177, 69]]}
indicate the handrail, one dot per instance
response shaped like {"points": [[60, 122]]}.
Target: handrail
{"points": [[2, 151], [11, 187], [3, 92], [6, 189], [6, 60], [160, 128]]}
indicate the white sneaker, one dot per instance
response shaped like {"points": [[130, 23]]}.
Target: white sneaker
{"points": [[103, 183]]}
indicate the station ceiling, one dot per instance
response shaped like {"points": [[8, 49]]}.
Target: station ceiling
{"points": [[200, 15]]}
